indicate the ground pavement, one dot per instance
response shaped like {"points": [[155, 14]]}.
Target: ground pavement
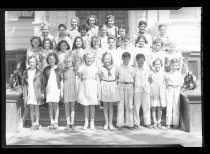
{"points": [[99, 137]]}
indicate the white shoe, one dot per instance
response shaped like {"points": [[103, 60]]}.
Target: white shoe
{"points": [[106, 127], [92, 126], [85, 126], [111, 127]]}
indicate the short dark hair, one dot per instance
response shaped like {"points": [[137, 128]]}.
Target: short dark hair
{"points": [[140, 55], [161, 25], [83, 26], [63, 41], [62, 25], [123, 27], [54, 55], [112, 37], [142, 23], [126, 54]]}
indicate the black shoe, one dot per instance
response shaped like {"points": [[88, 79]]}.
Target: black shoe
{"points": [[175, 126], [72, 127], [131, 128], [136, 127], [120, 127], [149, 126]]}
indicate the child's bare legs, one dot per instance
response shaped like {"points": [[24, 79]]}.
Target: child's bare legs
{"points": [[106, 115], [159, 114], [72, 113], [92, 115], [110, 115], [67, 106], [50, 107], [37, 114], [56, 111], [86, 109], [32, 115], [154, 117]]}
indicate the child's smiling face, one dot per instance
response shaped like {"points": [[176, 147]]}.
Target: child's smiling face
{"points": [[78, 42], [62, 31], [45, 30], [89, 59], [63, 46], [47, 44], [51, 60], [122, 32], [157, 66], [140, 62], [32, 62], [142, 28], [83, 32], [92, 21], [35, 43], [112, 43], [110, 22], [103, 31], [157, 46], [74, 23], [141, 43], [107, 60]]}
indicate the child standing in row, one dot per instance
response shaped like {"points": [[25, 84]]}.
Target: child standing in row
{"points": [[45, 29], [173, 86], [89, 89], [62, 50], [142, 92], [83, 29], [36, 47], [61, 36], [47, 48], [157, 92], [126, 74], [33, 90], [52, 76], [112, 30], [103, 36], [73, 31], [93, 28], [68, 92], [109, 90]]}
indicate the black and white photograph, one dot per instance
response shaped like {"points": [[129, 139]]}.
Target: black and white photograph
{"points": [[62, 90]]}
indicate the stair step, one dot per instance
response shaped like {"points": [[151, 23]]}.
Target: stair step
{"points": [[79, 116]]}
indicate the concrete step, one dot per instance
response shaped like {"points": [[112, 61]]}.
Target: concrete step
{"points": [[79, 116]]}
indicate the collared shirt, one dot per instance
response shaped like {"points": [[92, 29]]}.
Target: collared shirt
{"points": [[174, 78], [141, 79], [104, 73], [126, 73]]}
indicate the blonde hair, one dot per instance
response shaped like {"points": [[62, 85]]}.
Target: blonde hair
{"points": [[88, 53]]}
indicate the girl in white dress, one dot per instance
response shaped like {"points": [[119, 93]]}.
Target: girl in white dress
{"points": [[112, 30], [33, 91], [91, 22], [53, 77], [157, 92], [89, 88]]}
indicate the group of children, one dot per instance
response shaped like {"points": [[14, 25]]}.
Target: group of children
{"points": [[91, 65]]}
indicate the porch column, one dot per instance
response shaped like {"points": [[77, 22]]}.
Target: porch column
{"points": [[134, 16], [39, 17], [164, 17], [52, 22], [152, 18]]}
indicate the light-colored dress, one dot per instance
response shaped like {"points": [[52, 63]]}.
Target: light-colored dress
{"points": [[69, 85], [157, 89], [93, 31], [88, 88], [52, 91], [31, 95], [109, 91], [98, 53], [33, 52], [112, 31]]}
